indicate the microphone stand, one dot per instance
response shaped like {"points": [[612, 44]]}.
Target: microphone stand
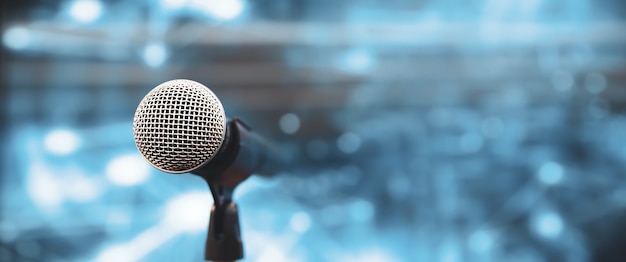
{"points": [[224, 236], [223, 242]]}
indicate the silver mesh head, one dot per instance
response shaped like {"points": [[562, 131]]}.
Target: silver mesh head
{"points": [[179, 126]]}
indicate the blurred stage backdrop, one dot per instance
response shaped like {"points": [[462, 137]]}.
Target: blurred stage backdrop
{"points": [[484, 130]]}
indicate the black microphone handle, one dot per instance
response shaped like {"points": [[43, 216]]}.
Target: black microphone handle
{"points": [[243, 153]]}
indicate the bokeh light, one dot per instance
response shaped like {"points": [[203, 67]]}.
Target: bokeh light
{"points": [[128, 170], [16, 38], [300, 222], [550, 173], [227, 9], [349, 142], [61, 142], [86, 11], [155, 54], [189, 212], [356, 61], [481, 241], [547, 224], [289, 123]]}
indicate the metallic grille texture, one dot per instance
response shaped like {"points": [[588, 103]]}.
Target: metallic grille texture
{"points": [[179, 125]]}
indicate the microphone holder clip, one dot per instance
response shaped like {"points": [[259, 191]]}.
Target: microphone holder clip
{"points": [[224, 236]]}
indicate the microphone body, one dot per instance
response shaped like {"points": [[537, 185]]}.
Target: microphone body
{"points": [[180, 126], [243, 153]]}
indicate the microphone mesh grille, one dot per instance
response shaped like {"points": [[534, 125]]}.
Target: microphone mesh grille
{"points": [[179, 126]]}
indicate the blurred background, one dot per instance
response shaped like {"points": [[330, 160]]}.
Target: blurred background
{"points": [[477, 130]]}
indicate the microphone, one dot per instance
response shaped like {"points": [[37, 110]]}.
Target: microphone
{"points": [[180, 126]]}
